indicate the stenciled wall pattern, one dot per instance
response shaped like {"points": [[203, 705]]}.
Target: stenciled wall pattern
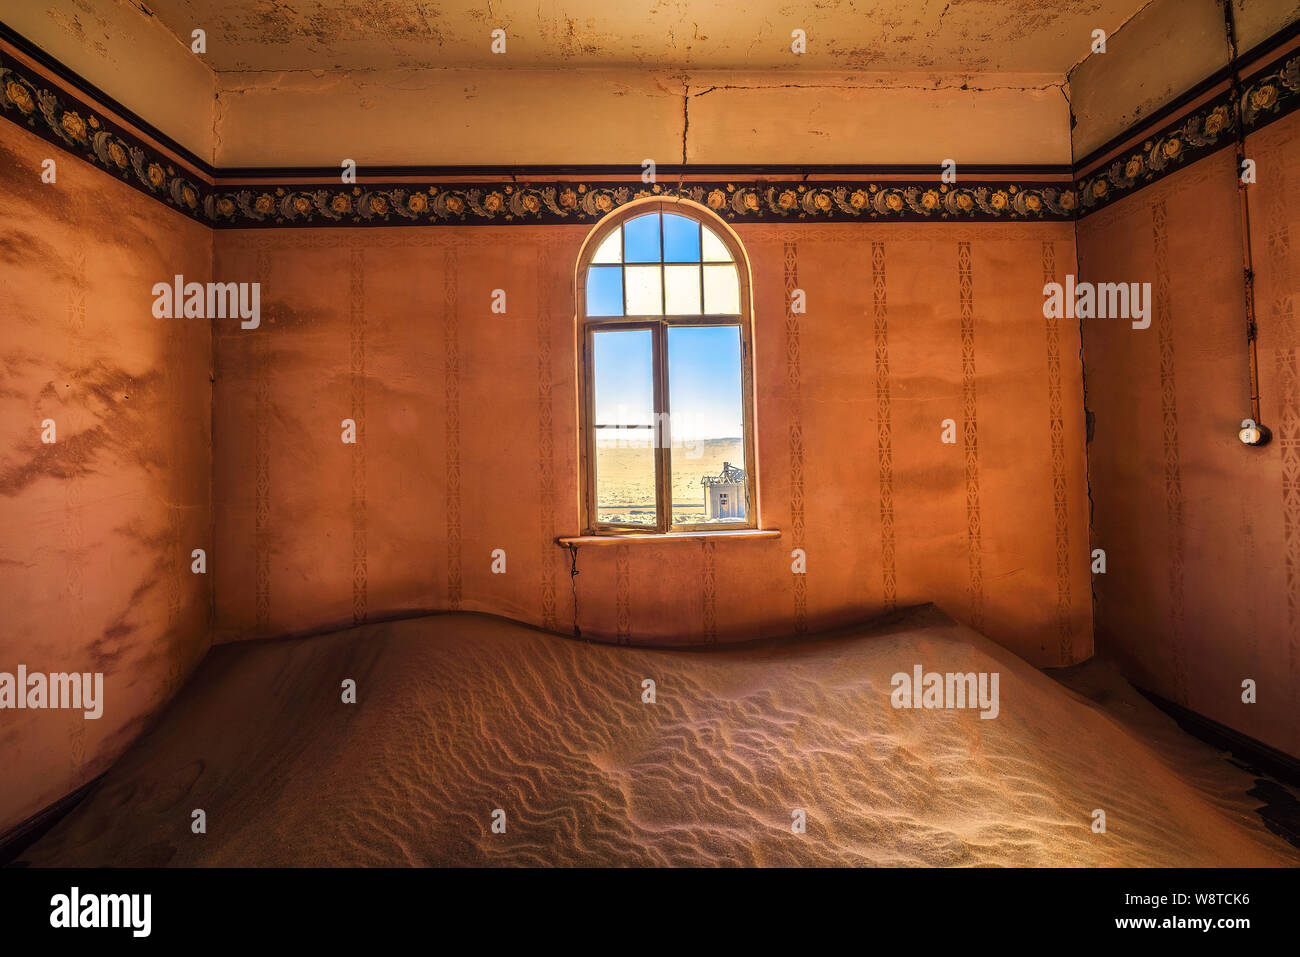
{"points": [[470, 444], [1202, 535]]}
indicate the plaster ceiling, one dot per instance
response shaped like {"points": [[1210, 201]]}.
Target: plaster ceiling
{"points": [[966, 36]]}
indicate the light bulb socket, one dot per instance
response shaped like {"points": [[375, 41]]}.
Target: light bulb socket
{"points": [[1255, 436]]}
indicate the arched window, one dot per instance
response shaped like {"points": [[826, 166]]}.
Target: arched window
{"points": [[667, 417]]}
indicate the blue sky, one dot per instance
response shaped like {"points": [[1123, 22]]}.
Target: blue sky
{"points": [[704, 381]]}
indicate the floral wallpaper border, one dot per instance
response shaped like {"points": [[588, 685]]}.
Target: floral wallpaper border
{"points": [[586, 202], [78, 128], [1269, 95]]}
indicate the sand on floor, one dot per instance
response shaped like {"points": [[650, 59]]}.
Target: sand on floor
{"points": [[459, 715]]}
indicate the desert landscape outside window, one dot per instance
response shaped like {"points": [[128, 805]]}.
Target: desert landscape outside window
{"points": [[663, 306]]}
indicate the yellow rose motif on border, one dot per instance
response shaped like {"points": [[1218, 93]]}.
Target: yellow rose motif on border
{"points": [[455, 205], [156, 176], [894, 202], [787, 199], [19, 97], [73, 125], [964, 202], [1264, 97], [417, 202], [716, 199], [378, 205], [117, 154], [492, 202], [930, 199], [1173, 146], [342, 203], [264, 204], [1217, 121], [1033, 202], [531, 203], [859, 199], [1133, 168], [225, 207], [999, 200]]}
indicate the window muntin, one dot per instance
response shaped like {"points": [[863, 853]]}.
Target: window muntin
{"points": [[667, 419], [662, 264]]}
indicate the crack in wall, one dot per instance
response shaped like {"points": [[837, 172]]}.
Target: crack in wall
{"points": [[686, 119], [885, 85]]}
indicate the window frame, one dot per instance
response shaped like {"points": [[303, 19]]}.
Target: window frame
{"points": [[587, 326]]}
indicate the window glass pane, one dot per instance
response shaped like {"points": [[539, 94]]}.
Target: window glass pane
{"points": [[641, 239], [709, 483], [721, 290], [682, 290], [714, 249], [611, 248], [644, 290], [623, 381], [681, 239], [605, 291], [623, 376], [625, 478]]}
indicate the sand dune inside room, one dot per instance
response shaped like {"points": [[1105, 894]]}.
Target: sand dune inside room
{"points": [[458, 715]]}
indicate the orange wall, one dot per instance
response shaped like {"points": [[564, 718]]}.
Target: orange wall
{"points": [[98, 527], [1202, 534], [468, 438]]}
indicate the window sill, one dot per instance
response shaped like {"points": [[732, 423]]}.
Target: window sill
{"points": [[747, 534]]}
